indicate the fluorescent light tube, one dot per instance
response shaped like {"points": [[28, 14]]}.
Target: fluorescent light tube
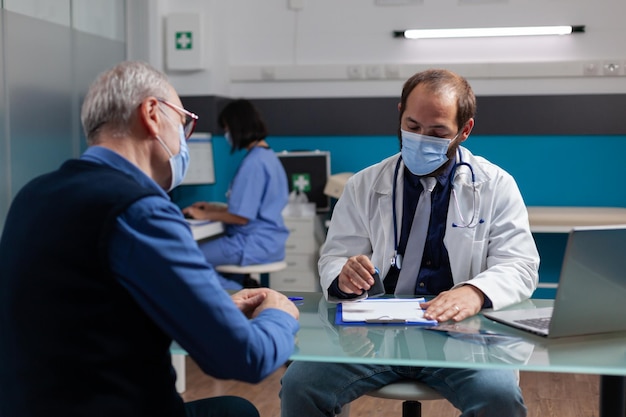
{"points": [[488, 32]]}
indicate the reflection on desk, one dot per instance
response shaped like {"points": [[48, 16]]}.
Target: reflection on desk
{"points": [[320, 340], [204, 229]]}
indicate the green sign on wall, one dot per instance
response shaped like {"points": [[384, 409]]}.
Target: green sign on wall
{"points": [[184, 40]]}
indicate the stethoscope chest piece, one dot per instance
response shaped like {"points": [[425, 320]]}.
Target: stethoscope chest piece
{"points": [[396, 260]]}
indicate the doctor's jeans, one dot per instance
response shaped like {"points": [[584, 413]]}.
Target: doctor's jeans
{"points": [[321, 389]]}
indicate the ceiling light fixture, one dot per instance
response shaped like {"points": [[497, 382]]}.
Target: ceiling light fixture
{"points": [[487, 32]]}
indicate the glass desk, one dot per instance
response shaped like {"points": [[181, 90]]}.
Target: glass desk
{"points": [[320, 340]]}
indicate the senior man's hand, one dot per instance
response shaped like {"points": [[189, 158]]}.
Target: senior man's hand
{"points": [[251, 301]]}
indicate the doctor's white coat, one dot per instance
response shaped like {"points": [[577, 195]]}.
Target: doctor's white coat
{"points": [[499, 255]]}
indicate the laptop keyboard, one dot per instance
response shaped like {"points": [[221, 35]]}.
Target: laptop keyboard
{"points": [[539, 323]]}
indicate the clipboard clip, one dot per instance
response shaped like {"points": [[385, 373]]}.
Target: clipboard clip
{"points": [[385, 319]]}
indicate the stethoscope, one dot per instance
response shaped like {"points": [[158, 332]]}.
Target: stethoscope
{"points": [[396, 259]]}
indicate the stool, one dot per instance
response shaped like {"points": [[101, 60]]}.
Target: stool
{"points": [[263, 270], [412, 392]]}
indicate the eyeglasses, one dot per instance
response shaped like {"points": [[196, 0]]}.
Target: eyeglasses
{"points": [[190, 118]]}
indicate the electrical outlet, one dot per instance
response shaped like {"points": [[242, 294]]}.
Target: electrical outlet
{"points": [[374, 72], [397, 2], [295, 4], [355, 72], [392, 71], [612, 68], [592, 68], [268, 73]]}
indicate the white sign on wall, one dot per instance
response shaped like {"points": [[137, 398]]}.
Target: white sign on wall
{"points": [[183, 38]]}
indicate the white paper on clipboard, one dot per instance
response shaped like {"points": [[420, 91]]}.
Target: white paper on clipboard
{"points": [[384, 310], [201, 168]]}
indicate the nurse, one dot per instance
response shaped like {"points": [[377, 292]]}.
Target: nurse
{"points": [[255, 231]]}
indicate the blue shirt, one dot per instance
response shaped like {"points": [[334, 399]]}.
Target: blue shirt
{"points": [[154, 256], [435, 274]]}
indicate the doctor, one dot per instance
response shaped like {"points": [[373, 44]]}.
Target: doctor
{"points": [[475, 250]]}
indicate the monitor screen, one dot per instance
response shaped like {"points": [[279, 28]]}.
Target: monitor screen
{"points": [[201, 169], [308, 171]]}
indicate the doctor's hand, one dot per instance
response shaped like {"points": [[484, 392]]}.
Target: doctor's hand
{"points": [[356, 275], [457, 304]]}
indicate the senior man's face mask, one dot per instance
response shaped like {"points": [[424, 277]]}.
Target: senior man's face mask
{"points": [[179, 163]]}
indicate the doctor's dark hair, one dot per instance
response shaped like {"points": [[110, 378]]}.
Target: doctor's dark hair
{"points": [[441, 80], [244, 123]]}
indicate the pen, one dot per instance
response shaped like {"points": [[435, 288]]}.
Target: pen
{"points": [[296, 298]]}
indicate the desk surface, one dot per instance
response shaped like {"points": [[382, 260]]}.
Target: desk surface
{"points": [[564, 219], [320, 340], [204, 229]]}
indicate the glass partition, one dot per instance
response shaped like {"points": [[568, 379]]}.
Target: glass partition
{"points": [[47, 67]]}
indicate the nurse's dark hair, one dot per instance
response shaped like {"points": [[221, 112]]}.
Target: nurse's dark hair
{"points": [[444, 81], [244, 123]]}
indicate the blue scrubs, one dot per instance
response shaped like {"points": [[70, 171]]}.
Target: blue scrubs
{"points": [[259, 192]]}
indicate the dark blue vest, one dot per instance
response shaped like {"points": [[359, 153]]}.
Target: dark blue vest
{"points": [[73, 342]]}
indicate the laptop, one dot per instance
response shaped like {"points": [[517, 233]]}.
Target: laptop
{"points": [[591, 295]]}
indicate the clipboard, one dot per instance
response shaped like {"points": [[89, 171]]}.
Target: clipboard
{"points": [[385, 311]]}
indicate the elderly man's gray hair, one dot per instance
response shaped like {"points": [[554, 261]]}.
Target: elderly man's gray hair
{"points": [[115, 94]]}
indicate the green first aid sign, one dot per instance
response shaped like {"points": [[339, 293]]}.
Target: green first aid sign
{"points": [[184, 40], [301, 182]]}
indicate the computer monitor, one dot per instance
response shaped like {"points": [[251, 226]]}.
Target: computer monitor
{"points": [[308, 171], [201, 168]]}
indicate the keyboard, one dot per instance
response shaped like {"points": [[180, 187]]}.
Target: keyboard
{"points": [[542, 323]]}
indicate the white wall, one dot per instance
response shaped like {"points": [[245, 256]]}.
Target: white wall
{"points": [[265, 48]]}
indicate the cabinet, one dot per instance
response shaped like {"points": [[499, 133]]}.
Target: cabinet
{"points": [[301, 255]]}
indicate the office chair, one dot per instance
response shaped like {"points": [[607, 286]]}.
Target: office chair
{"points": [[262, 270], [412, 392]]}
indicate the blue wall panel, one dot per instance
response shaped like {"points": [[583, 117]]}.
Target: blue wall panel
{"points": [[550, 171]]}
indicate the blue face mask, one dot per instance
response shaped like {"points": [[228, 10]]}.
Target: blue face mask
{"points": [[179, 163], [423, 154], [228, 138]]}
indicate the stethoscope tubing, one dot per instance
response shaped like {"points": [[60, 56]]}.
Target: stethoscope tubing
{"points": [[396, 260]]}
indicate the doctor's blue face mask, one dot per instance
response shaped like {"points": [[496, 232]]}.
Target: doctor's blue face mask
{"points": [[424, 154]]}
